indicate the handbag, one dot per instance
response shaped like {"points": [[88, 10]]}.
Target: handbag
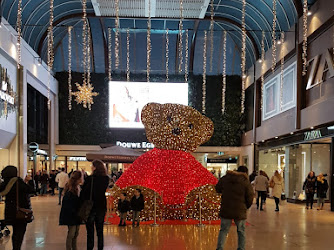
{"points": [[2, 210], [283, 197], [22, 214], [301, 196], [86, 206]]}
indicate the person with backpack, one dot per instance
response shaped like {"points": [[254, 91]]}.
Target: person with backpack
{"points": [[69, 210]]}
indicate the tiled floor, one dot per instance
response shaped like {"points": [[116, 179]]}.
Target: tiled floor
{"points": [[292, 228]]}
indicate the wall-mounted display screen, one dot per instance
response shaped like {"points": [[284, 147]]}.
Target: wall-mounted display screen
{"points": [[126, 100]]}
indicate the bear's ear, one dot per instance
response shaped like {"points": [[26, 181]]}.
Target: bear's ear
{"points": [[207, 129], [148, 113]]}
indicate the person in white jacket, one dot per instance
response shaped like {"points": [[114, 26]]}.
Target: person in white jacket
{"points": [[261, 185], [277, 184], [61, 179]]}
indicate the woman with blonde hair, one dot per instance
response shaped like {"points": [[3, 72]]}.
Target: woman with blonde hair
{"points": [[69, 210], [277, 184]]}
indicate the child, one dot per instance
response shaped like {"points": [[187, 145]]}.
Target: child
{"points": [[69, 210], [137, 204], [123, 208]]}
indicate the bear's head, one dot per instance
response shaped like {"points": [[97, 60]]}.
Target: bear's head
{"points": [[175, 126]]}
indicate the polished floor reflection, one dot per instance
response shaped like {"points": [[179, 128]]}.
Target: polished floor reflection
{"points": [[293, 227]]}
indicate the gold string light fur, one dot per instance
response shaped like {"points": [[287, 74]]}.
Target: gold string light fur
{"points": [[117, 34], [128, 55], [19, 32], [304, 45], [282, 69], [186, 71], [204, 73], [273, 36], [167, 55], [243, 56], [69, 31], [50, 50], [211, 35], [224, 72], [262, 67]]}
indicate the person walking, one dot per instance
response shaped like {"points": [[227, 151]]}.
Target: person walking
{"points": [[137, 204], [322, 187], [9, 189], [61, 179], [237, 197], [44, 183], [309, 187], [98, 182], [261, 184], [265, 197], [277, 184], [252, 176], [69, 209], [123, 208], [52, 182]]}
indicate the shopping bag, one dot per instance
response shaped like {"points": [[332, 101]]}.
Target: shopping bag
{"points": [[2, 210], [301, 196]]}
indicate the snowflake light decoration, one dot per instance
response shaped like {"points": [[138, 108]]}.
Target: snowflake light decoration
{"points": [[85, 95]]}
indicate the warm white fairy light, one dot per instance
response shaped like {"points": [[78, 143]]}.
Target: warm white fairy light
{"points": [[69, 31], [109, 54], [304, 45], [148, 43], [273, 36], [186, 71], [211, 35], [50, 50], [224, 73], [180, 45], [128, 55], [167, 56], [262, 67], [204, 73], [19, 32], [84, 40], [117, 34], [243, 56], [282, 68], [88, 56]]}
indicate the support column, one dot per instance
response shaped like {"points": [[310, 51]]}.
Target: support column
{"points": [[331, 178]]}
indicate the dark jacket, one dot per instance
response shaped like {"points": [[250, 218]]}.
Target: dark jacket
{"points": [[237, 195], [52, 180], [44, 179], [69, 210], [123, 206], [322, 187], [100, 185], [137, 204], [24, 200], [309, 184]]}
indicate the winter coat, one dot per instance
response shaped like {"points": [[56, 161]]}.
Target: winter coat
{"points": [[322, 187], [137, 204], [123, 206], [309, 185], [69, 210], [237, 195], [100, 185], [261, 183], [10, 202], [52, 180], [278, 186], [44, 179]]}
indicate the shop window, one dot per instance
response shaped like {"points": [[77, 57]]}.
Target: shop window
{"points": [[272, 93]]}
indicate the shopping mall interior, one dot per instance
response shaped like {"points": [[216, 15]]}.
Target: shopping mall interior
{"points": [[171, 96]]}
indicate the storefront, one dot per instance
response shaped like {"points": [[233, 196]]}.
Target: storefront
{"points": [[295, 156]]}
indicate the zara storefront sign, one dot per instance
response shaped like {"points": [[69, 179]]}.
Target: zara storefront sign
{"points": [[312, 135], [140, 145]]}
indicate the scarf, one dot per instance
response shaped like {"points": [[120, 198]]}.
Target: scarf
{"points": [[321, 179]]}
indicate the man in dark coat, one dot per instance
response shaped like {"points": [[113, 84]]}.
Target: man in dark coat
{"points": [[237, 197]]}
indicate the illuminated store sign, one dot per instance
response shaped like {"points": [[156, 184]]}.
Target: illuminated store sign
{"points": [[140, 145], [312, 135], [77, 158]]}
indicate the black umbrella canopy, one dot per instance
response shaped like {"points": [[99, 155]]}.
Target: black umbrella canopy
{"points": [[114, 154]]}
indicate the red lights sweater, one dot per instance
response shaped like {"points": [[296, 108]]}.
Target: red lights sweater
{"points": [[171, 173]]}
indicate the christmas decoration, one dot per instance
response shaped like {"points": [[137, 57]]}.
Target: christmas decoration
{"points": [[84, 94], [169, 171]]}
